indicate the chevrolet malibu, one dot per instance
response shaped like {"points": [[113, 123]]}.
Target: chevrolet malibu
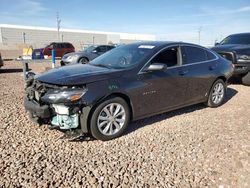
{"points": [[128, 83]]}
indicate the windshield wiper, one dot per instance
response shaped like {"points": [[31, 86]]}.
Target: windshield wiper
{"points": [[101, 65]]}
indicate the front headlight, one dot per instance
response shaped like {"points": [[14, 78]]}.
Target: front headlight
{"points": [[71, 58], [243, 58], [64, 95]]}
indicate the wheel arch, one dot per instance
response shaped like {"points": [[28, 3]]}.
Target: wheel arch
{"points": [[85, 57], [222, 78], [116, 94]]}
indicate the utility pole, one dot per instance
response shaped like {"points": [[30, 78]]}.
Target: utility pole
{"points": [[58, 21], [24, 37], [199, 34]]}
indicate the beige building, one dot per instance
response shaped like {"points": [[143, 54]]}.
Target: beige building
{"points": [[13, 38]]}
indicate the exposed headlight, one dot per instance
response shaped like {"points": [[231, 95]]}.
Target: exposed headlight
{"points": [[71, 57], [64, 95], [243, 58]]}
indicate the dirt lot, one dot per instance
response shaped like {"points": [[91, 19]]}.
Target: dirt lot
{"points": [[192, 147]]}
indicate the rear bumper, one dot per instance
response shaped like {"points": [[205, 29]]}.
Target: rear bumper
{"points": [[37, 110]]}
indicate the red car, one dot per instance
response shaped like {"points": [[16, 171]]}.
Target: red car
{"points": [[60, 48]]}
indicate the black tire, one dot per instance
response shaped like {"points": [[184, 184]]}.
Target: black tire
{"points": [[246, 79], [211, 100], [62, 63], [83, 60], [95, 131]]}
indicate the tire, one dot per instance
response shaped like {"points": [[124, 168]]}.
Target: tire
{"points": [[83, 60], [217, 94], [100, 119], [62, 63], [246, 79]]}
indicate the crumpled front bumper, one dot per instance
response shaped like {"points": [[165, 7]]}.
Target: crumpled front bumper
{"points": [[37, 110]]}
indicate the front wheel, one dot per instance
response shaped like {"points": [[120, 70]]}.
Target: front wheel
{"points": [[83, 60], [217, 94], [110, 119]]}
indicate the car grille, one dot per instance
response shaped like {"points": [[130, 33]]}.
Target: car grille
{"points": [[229, 56]]}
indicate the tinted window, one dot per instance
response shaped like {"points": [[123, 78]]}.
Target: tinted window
{"points": [[168, 57], [237, 39], [192, 54], [101, 49], [110, 47], [57, 45], [210, 55], [68, 45]]}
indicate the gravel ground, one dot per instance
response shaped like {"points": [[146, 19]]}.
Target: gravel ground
{"points": [[192, 147]]}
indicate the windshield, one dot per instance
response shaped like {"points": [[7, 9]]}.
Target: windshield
{"points": [[89, 49], [123, 56], [236, 39]]}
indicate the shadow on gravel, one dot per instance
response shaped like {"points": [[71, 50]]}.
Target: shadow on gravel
{"points": [[230, 94], [10, 70], [151, 120], [235, 80]]}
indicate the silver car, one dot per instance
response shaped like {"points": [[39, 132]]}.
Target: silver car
{"points": [[85, 55]]}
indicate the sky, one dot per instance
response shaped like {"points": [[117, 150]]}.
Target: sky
{"points": [[178, 20]]}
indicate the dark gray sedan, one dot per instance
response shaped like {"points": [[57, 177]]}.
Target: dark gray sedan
{"points": [[86, 55]]}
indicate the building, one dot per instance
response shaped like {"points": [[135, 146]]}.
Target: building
{"points": [[13, 38]]}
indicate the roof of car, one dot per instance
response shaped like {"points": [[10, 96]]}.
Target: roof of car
{"points": [[239, 34], [162, 43]]}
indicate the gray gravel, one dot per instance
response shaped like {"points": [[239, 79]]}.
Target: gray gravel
{"points": [[192, 147]]}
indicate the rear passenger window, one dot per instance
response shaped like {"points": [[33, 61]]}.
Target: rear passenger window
{"points": [[210, 55], [67, 45], [102, 49], [192, 54]]}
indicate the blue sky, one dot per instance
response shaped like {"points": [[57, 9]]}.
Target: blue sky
{"points": [[177, 20]]}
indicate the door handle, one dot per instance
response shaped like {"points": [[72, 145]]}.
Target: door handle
{"points": [[212, 67], [182, 73]]}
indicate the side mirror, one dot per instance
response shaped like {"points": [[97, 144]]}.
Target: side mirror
{"points": [[216, 44], [156, 67]]}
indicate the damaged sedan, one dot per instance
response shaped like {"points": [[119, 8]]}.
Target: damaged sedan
{"points": [[128, 83]]}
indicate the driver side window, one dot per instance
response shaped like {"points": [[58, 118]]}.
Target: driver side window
{"points": [[168, 57]]}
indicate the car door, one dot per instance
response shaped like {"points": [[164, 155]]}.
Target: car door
{"points": [[198, 70], [163, 89]]}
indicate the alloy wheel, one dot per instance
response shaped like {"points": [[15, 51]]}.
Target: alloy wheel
{"points": [[111, 119], [218, 93]]}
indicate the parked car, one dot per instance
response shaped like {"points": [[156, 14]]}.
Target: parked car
{"points": [[236, 48], [86, 55], [61, 48], [127, 83], [1, 61]]}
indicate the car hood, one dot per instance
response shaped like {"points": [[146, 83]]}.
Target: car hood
{"points": [[77, 74], [230, 47], [75, 53]]}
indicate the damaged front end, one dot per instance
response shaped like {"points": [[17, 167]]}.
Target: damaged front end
{"points": [[59, 106]]}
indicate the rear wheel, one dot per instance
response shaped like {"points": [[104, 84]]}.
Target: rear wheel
{"points": [[217, 94], [83, 60], [110, 119], [246, 79]]}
